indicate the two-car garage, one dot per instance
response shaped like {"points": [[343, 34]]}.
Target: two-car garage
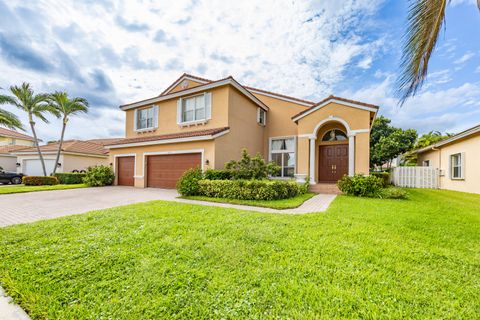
{"points": [[161, 170]]}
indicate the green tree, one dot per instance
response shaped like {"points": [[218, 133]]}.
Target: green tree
{"points": [[65, 108], [8, 119], [423, 141], [381, 128], [35, 105], [425, 20]]}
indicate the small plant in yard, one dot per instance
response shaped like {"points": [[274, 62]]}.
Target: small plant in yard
{"points": [[99, 176], [251, 167], [393, 193], [360, 185], [69, 177], [385, 176], [39, 181], [187, 185]]}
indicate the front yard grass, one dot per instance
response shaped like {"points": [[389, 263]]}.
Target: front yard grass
{"points": [[22, 188], [290, 203], [363, 258]]}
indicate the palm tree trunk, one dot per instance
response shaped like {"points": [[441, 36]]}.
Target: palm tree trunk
{"points": [[60, 146], [32, 126]]}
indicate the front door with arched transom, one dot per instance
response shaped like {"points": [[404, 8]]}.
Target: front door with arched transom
{"points": [[333, 162]]}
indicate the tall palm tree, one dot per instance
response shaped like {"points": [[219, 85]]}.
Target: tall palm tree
{"points": [[66, 107], [35, 105], [425, 20], [8, 119]]}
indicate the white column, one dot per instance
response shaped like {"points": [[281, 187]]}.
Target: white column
{"points": [[351, 154], [312, 161]]}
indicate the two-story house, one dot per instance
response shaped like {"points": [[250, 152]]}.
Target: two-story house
{"points": [[10, 141], [204, 123]]}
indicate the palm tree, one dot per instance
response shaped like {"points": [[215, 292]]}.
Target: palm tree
{"points": [[66, 107], [425, 20], [35, 105], [8, 119]]}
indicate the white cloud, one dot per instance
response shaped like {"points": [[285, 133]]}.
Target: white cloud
{"points": [[118, 52], [467, 56]]}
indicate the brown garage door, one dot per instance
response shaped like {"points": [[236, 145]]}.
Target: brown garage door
{"points": [[163, 171], [125, 171]]}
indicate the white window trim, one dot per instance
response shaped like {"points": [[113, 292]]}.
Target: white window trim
{"points": [[154, 122], [462, 166], [122, 155], [159, 153], [259, 111], [426, 163], [294, 151], [207, 110]]}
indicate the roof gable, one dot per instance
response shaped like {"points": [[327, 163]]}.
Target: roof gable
{"points": [[177, 85]]}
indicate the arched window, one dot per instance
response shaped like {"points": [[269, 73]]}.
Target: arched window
{"points": [[334, 135]]}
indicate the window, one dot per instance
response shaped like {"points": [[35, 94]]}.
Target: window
{"points": [[261, 116], [334, 135], [193, 109], [13, 141], [283, 154], [146, 118], [426, 163], [456, 162]]}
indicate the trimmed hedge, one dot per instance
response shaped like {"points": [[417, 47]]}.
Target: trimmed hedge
{"points": [[39, 181], [70, 178], [214, 174], [250, 189]]}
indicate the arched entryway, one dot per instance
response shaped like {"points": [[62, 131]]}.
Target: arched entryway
{"points": [[332, 151]]}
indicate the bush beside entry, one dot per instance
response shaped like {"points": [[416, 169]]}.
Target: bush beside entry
{"points": [[369, 186], [251, 167], [99, 176], [39, 181], [187, 185], [70, 178]]}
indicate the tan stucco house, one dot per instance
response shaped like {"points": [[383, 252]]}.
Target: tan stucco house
{"points": [[75, 156], [204, 123], [457, 158], [10, 141]]}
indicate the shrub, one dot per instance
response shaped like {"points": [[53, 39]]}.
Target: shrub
{"points": [[213, 174], [385, 176], [99, 176], [251, 168], [39, 181], [249, 189], [393, 193], [70, 178], [187, 185], [360, 185]]}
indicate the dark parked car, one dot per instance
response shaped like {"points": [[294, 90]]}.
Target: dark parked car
{"points": [[10, 177]]}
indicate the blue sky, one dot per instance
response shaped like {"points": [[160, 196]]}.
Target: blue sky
{"points": [[114, 52]]}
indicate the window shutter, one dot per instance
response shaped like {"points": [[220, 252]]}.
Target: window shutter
{"points": [[450, 169], [179, 111], [258, 115], [155, 116], [264, 117], [462, 161], [135, 119], [208, 105]]}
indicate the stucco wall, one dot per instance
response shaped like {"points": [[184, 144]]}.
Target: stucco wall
{"points": [[74, 162], [167, 116], [207, 146], [191, 84], [8, 163], [4, 141], [245, 132], [441, 159]]}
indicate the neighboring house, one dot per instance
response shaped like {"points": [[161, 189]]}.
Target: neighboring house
{"points": [[204, 123], [76, 155], [11, 140], [457, 158]]}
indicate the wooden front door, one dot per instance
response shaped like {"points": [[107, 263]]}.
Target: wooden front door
{"points": [[333, 162], [125, 171], [163, 171]]}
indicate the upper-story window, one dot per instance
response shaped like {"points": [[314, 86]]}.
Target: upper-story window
{"points": [[146, 118], [261, 116], [194, 109], [334, 135]]}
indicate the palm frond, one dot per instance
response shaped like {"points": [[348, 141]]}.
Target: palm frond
{"points": [[10, 120], [425, 21]]}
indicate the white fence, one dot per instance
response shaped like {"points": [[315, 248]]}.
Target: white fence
{"points": [[416, 177]]}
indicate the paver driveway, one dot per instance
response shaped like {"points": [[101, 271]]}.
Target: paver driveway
{"points": [[28, 207]]}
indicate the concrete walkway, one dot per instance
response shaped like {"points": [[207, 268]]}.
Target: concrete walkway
{"points": [[33, 206], [9, 310]]}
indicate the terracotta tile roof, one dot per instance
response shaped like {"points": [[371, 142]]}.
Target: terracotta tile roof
{"points": [[280, 95], [336, 98], [74, 146], [10, 148], [188, 134], [104, 141], [14, 134]]}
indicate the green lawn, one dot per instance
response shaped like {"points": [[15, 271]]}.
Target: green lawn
{"points": [[274, 204], [363, 258], [22, 188]]}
